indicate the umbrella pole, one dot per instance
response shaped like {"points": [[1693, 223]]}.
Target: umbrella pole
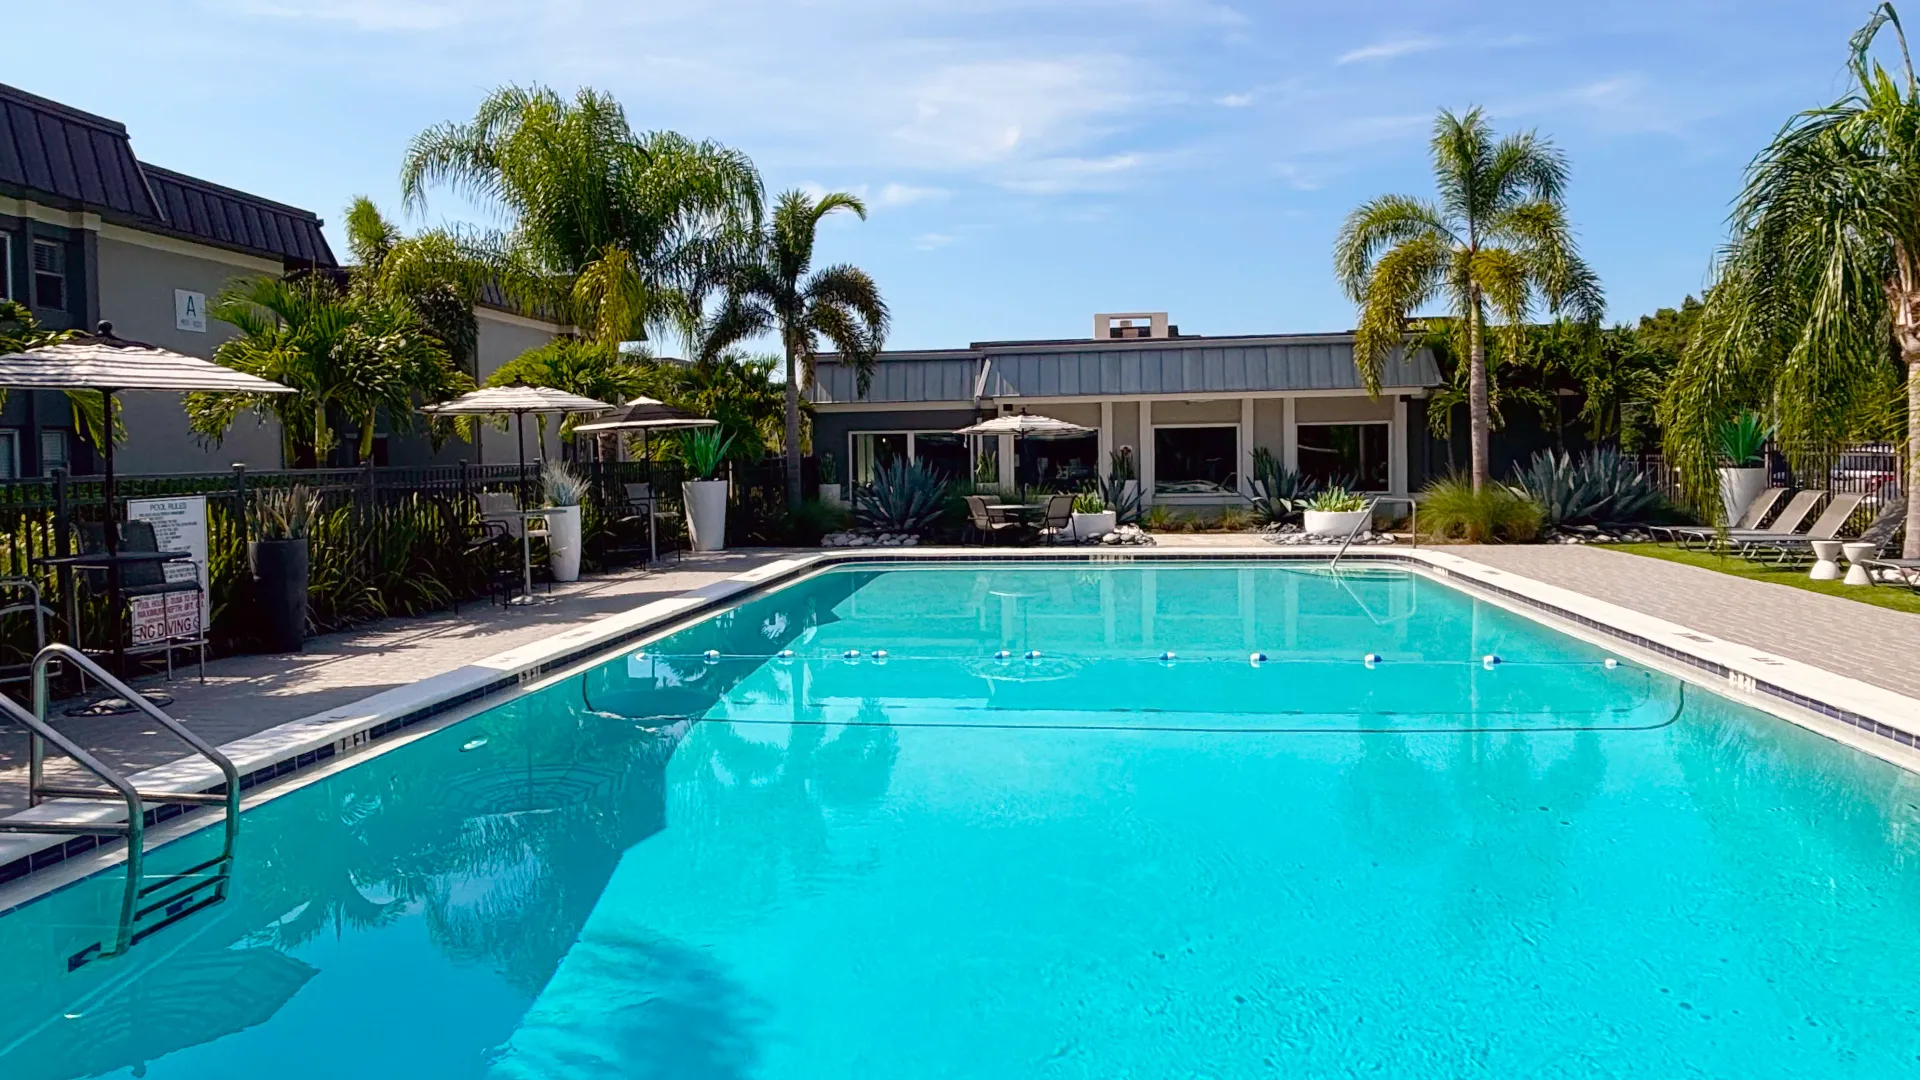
{"points": [[116, 598], [526, 542], [653, 541]]}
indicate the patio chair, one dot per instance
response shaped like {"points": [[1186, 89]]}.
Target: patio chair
{"points": [[643, 514], [1796, 511], [1756, 512], [489, 542], [1905, 571], [1827, 526], [1058, 518], [986, 525]]}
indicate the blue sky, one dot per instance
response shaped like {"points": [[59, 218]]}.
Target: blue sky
{"points": [[1027, 163]]}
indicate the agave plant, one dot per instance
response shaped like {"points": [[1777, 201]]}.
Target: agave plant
{"points": [[564, 487], [905, 497], [1600, 488], [284, 513], [1337, 500], [1279, 493], [1089, 502], [705, 450]]}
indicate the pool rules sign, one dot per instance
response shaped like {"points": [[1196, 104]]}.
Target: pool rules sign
{"points": [[179, 524]]}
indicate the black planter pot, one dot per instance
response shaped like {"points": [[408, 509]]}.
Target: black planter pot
{"points": [[280, 590]]}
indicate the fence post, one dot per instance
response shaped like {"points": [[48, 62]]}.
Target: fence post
{"points": [[63, 545], [466, 486], [240, 506]]}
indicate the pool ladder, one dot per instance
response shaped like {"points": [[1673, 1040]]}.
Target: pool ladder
{"points": [[145, 906]]}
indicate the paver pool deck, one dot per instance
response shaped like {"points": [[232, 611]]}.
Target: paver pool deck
{"points": [[244, 695]]}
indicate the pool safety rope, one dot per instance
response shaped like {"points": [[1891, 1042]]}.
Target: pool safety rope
{"points": [[1258, 659]]}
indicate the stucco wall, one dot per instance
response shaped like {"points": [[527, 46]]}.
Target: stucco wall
{"points": [[1269, 423], [1126, 425], [1196, 412], [137, 284], [501, 338], [1341, 410]]}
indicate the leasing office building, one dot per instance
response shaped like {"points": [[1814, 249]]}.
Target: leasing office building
{"points": [[90, 232], [1192, 408]]}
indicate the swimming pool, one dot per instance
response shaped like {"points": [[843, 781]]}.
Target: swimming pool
{"points": [[707, 859]]}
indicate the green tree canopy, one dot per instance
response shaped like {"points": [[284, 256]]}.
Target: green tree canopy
{"points": [[1814, 317]]}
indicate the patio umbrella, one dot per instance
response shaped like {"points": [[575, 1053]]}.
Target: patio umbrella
{"points": [[1024, 425], [109, 364], [647, 415], [518, 401], [104, 362]]}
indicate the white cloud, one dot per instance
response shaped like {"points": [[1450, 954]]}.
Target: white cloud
{"points": [[1054, 176], [1387, 50], [932, 241], [908, 194], [980, 112], [1234, 101]]}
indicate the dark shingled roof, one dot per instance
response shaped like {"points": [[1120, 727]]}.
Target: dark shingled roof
{"points": [[62, 156]]}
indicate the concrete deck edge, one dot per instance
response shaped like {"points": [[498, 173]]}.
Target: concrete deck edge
{"points": [[1752, 675]]}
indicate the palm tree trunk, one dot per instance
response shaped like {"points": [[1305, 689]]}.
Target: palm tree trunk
{"points": [[1911, 548], [793, 428], [1477, 425]]}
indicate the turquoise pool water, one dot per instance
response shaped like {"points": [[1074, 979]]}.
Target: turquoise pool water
{"points": [[1092, 863]]}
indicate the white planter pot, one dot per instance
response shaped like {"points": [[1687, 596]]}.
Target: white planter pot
{"points": [[563, 542], [830, 494], [1335, 524], [1738, 489], [1086, 526], [706, 513]]}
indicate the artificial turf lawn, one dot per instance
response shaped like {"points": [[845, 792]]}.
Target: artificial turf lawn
{"points": [[1897, 597]]}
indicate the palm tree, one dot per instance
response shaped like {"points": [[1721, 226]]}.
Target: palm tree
{"points": [[345, 355], [604, 223], [20, 331], [1497, 243], [1818, 289], [386, 261], [778, 289], [594, 369]]}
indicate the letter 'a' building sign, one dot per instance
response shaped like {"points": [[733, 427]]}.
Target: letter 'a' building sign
{"points": [[190, 311]]}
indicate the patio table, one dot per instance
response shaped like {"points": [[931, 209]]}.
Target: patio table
{"points": [[1857, 553], [1825, 564]]}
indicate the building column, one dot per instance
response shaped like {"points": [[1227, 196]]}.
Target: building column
{"points": [[1397, 447], [1146, 452], [1008, 463], [1106, 438], [1245, 471], [1289, 436]]}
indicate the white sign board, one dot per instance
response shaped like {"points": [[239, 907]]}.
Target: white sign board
{"points": [[179, 524], [190, 311]]}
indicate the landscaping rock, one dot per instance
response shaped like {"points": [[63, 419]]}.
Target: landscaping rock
{"points": [[854, 539], [1123, 536]]}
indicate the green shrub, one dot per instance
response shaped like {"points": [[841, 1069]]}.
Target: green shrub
{"points": [[1158, 519], [813, 519], [704, 450], [1089, 502], [1337, 500], [1452, 510], [1743, 440]]}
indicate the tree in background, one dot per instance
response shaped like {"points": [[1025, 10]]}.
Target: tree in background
{"points": [[386, 261], [20, 331], [595, 369], [1497, 243], [734, 388], [349, 358], [1816, 308], [778, 289], [604, 224]]}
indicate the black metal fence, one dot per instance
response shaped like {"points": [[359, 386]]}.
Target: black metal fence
{"points": [[384, 540]]}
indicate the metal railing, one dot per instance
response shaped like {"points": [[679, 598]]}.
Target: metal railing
{"points": [[1367, 523], [137, 900]]}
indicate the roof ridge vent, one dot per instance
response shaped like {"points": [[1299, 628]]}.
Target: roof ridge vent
{"points": [[1128, 324]]}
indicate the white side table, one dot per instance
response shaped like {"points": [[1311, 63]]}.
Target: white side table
{"points": [[1857, 553], [1825, 565]]}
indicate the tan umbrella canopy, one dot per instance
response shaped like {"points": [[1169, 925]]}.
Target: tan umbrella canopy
{"points": [[645, 414], [1025, 425], [517, 401]]}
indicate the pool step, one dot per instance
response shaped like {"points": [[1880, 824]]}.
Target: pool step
{"points": [[146, 907]]}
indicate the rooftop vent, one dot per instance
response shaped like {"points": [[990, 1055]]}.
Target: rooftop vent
{"points": [[1133, 324]]}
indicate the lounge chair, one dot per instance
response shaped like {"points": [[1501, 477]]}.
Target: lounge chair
{"points": [[1756, 512], [1789, 519], [1905, 571], [1827, 526]]}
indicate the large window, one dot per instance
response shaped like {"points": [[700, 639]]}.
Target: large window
{"points": [[1351, 455], [942, 451], [6, 265], [53, 451], [1059, 464], [49, 275], [9, 454], [1196, 460]]}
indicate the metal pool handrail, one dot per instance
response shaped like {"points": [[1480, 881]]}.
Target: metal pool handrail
{"points": [[1367, 522]]}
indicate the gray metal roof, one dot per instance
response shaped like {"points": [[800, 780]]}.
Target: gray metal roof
{"points": [[50, 152], [938, 375], [76, 157], [237, 219], [1170, 366]]}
